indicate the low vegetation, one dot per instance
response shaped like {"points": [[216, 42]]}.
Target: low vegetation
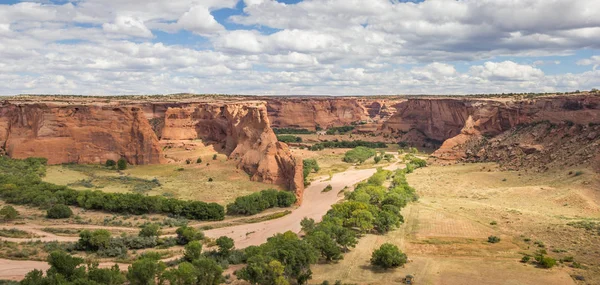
{"points": [[289, 139], [257, 202], [309, 165], [347, 144], [14, 233], [292, 131], [359, 154], [16, 175], [340, 130], [8, 213]]}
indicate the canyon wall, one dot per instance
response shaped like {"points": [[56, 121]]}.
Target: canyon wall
{"points": [[77, 133], [92, 131], [242, 131], [325, 112]]}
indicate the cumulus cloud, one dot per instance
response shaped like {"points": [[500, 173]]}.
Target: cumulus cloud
{"points": [[128, 26], [344, 47], [199, 20]]}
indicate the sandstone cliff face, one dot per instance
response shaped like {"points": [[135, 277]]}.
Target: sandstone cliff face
{"points": [[77, 133], [87, 131], [311, 113], [243, 132]]}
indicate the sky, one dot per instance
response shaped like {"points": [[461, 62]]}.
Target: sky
{"points": [[295, 47]]}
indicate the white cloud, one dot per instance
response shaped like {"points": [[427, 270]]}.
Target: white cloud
{"points": [[506, 70], [341, 47], [199, 20], [128, 26]]}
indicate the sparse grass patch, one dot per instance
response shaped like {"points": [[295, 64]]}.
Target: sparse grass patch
{"points": [[15, 233]]}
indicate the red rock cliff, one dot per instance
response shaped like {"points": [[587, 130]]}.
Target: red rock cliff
{"points": [[90, 130], [243, 132], [77, 133]]}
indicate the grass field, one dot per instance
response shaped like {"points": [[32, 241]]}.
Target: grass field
{"points": [[176, 179], [445, 232]]}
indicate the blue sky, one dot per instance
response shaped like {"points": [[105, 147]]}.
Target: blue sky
{"points": [[336, 47]]}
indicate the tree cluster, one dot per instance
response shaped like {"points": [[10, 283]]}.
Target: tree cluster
{"points": [[309, 165], [16, 176], [346, 144], [260, 201], [289, 139], [291, 131], [359, 154]]}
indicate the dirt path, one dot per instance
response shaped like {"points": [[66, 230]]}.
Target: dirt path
{"points": [[316, 204]]}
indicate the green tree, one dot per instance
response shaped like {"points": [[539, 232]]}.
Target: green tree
{"points": [[145, 272], [325, 245], [110, 163], [185, 274], [8, 213], [263, 270], [65, 265], [307, 224], [362, 219], [122, 164], [96, 240], [388, 256], [187, 234], [150, 230], [108, 276], [225, 244], [59, 211], [209, 272], [192, 250]]}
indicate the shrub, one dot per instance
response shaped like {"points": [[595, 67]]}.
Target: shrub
{"points": [[8, 213], [309, 165], [187, 234], [215, 156], [359, 154], [378, 158], [493, 239], [327, 188], [199, 160], [192, 251], [525, 258], [289, 138], [59, 211], [150, 230], [110, 163], [122, 164], [388, 256], [225, 245], [546, 261]]}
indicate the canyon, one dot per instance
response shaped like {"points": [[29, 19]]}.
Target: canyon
{"points": [[72, 129]]}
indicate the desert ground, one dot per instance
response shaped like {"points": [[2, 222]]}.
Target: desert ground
{"points": [[445, 233]]}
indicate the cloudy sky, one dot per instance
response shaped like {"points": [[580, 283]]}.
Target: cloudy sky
{"points": [[337, 47]]}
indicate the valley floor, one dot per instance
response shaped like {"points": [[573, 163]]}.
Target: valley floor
{"points": [[445, 232]]}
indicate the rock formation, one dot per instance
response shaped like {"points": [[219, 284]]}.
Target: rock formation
{"points": [[81, 131], [77, 133], [242, 131]]}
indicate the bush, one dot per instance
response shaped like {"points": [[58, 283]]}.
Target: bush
{"points": [[215, 156], [388, 256], [110, 163], [359, 154], [59, 211], [199, 160], [545, 261], [225, 245], [122, 164], [260, 201], [309, 165], [525, 258], [187, 234], [289, 138], [493, 239], [150, 230], [346, 144], [291, 131], [8, 213], [327, 188]]}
